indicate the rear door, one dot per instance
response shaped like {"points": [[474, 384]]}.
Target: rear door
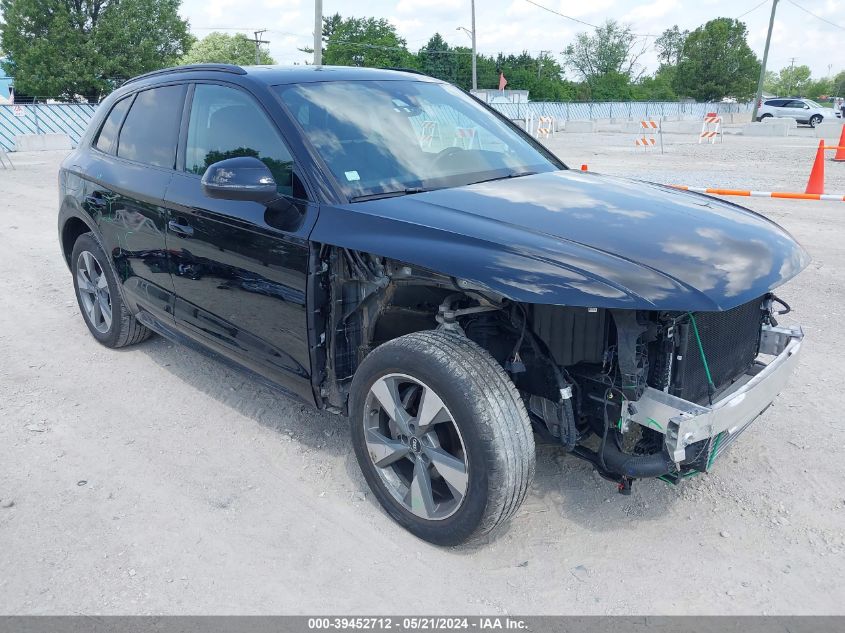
{"points": [[239, 268], [131, 164]]}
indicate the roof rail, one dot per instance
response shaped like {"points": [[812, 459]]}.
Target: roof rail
{"points": [[413, 71], [220, 68]]}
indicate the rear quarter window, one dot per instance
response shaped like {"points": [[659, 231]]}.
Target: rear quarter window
{"points": [[150, 132], [111, 126]]}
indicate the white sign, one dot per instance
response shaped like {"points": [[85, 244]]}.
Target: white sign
{"points": [[18, 111]]}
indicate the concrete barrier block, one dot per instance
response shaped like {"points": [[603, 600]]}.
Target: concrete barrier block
{"points": [[766, 129], [789, 122], [736, 117], [580, 126], [682, 127], [830, 130], [42, 142]]}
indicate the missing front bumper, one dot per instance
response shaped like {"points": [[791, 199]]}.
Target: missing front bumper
{"points": [[718, 425]]}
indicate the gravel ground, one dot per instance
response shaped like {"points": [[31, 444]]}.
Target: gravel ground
{"points": [[153, 480]]}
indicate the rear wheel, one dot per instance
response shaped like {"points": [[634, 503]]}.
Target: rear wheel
{"points": [[441, 435], [764, 116], [98, 296], [815, 120]]}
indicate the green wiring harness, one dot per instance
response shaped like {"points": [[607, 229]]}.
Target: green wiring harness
{"points": [[711, 390], [712, 387]]}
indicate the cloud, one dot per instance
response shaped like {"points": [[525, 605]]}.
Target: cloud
{"points": [[512, 26], [651, 11]]}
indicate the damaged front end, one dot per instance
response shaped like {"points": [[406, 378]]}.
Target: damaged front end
{"points": [[637, 393], [643, 393]]}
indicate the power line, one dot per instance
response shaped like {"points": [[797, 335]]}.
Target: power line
{"points": [[569, 17], [818, 17], [752, 10]]}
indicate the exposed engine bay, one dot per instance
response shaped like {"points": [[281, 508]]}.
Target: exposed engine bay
{"points": [[636, 393]]}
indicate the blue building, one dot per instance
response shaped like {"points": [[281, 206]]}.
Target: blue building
{"points": [[6, 84]]}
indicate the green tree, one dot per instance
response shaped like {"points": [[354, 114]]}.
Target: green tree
{"points": [[820, 88], [792, 80], [71, 48], [670, 45], [366, 42], [658, 87], [222, 48], [607, 60], [437, 59], [839, 84], [717, 63], [541, 76]]}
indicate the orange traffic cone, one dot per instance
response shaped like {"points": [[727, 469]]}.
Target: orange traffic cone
{"points": [[816, 182], [840, 153]]}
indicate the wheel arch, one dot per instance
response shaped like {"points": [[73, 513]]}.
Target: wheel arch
{"points": [[362, 301], [70, 231]]}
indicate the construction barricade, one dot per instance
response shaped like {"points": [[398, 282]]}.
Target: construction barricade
{"points": [[711, 129], [430, 131], [649, 133], [467, 138], [545, 126]]}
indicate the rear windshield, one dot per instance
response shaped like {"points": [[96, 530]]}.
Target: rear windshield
{"points": [[393, 136]]}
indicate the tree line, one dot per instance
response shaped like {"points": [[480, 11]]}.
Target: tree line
{"points": [[84, 49]]}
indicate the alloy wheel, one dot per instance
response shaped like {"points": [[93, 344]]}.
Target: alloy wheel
{"points": [[415, 446], [93, 289]]}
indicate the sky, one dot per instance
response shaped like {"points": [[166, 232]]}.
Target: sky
{"points": [[516, 25]]}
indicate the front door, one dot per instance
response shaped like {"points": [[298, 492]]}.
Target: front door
{"points": [[239, 268]]}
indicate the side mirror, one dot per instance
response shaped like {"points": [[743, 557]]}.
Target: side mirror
{"points": [[240, 178]]}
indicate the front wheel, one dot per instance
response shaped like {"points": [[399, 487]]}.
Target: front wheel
{"points": [[815, 120], [441, 435]]}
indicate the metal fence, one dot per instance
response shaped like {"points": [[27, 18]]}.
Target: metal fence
{"points": [[72, 118], [616, 109], [43, 118]]}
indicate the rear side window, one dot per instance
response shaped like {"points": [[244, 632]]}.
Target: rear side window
{"points": [[151, 130], [108, 133]]}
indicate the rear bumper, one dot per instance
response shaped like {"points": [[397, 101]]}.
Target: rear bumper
{"points": [[684, 423]]}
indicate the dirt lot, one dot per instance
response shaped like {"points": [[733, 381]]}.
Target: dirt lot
{"points": [[153, 480]]}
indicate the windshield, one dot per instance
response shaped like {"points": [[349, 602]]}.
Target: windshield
{"points": [[394, 137], [812, 103]]}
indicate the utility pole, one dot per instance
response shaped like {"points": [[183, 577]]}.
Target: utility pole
{"points": [[540, 61], [258, 42], [765, 60], [318, 32], [474, 74]]}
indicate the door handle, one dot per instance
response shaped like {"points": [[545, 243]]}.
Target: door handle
{"points": [[182, 230]]}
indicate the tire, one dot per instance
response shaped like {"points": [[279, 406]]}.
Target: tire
{"points": [[764, 116], [104, 312], [815, 120], [480, 419]]}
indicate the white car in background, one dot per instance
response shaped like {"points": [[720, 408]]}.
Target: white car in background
{"points": [[804, 111]]}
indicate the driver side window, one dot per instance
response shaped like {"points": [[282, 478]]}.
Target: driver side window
{"points": [[225, 123]]}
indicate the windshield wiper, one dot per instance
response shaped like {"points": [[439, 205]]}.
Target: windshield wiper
{"points": [[513, 174], [387, 194]]}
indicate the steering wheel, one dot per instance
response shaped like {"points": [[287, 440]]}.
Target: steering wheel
{"points": [[446, 153]]}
